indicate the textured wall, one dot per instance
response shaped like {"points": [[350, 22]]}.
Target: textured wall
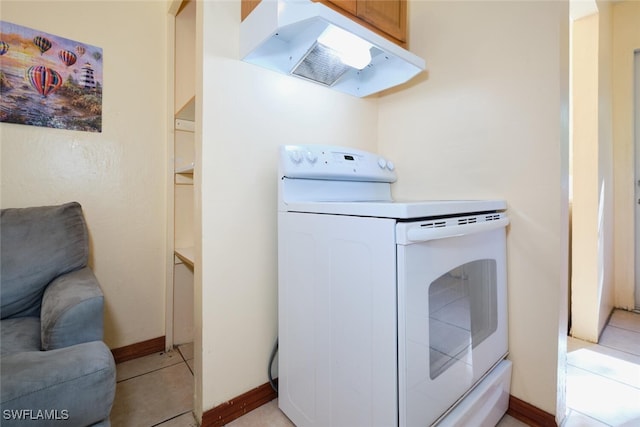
{"points": [[118, 175], [247, 112], [489, 120]]}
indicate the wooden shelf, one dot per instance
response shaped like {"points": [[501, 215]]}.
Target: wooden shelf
{"points": [[186, 169], [185, 125], [188, 111], [184, 174], [186, 255]]}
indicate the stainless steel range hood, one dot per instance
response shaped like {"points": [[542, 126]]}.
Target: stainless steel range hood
{"points": [[313, 42]]}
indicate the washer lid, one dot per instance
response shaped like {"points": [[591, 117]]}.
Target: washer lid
{"points": [[399, 210]]}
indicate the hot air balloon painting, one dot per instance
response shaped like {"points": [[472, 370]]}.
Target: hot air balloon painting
{"points": [[43, 81], [67, 57], [43, 43]]}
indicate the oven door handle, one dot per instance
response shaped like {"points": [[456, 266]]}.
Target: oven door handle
{"points": [[419, 234]]}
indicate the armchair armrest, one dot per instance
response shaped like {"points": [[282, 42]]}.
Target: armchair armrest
{"points": [[71, 311]]}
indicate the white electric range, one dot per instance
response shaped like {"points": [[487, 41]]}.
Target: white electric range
{"points": [[390, 313]]}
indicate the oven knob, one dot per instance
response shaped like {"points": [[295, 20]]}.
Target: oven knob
{"points": [[311, 157], [295, 156], [390, 166], [382, 162]]}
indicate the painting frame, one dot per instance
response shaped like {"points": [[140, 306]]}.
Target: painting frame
{"points": [[48, 80]]}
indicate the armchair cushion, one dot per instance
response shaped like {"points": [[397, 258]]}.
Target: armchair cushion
{"points": [[19, 334], [78, 382], [38, 244], [72, 308]]}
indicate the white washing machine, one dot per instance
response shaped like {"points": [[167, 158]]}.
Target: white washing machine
{"points": [[390, 313]]}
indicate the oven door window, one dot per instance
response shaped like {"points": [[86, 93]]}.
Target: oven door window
{"points": [[462, 313]]}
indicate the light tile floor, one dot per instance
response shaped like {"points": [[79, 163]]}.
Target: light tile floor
{"points": [[603, 380], [603, 385], [157, 390]]}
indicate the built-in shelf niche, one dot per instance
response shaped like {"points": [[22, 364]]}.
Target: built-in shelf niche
{"points": [[180, 293], [184, 160]]}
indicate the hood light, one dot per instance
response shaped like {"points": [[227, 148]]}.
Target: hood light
{"points": [[351, 49]]}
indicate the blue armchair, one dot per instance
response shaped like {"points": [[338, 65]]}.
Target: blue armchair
{"points": [[54, 367]]}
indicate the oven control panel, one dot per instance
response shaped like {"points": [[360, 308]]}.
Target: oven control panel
{"points": [[336, 163]]}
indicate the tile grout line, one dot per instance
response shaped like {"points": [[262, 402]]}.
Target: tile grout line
{"points": [[172, 418], [633, 320], [152, 371], [621, 351], [586, 416], [603, 376], [185, 360], [181, 353], [189, 368], [609, 325], [616, 348]]}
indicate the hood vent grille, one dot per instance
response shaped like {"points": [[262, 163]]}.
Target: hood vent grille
{"points": [[290, 37], [321, 65]]}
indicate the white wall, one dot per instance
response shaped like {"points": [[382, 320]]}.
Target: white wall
{"points": [[246, 112], [592, 287], [584, 250], [626, 39], [604, 199], [118, 175], [605, 166], [489, 120]]}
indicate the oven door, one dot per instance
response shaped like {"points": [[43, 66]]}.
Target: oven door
{"points": [[452, 310]]}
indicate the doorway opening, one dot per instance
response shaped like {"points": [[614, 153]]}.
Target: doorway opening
{"points": [[603, 351]]}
